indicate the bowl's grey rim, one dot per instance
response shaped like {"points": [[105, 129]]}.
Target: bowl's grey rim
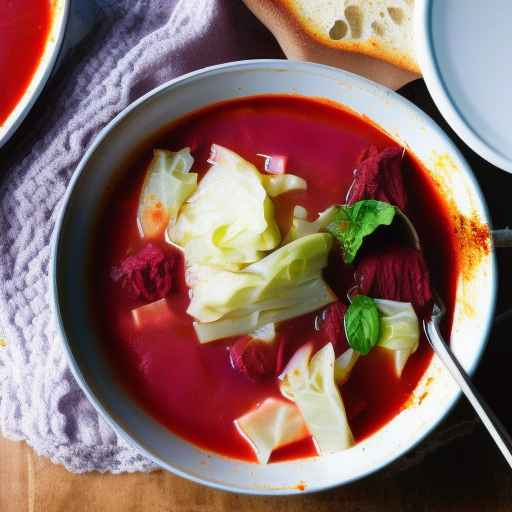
{"points": [[439, 90], [45, 77], [276, 64]]}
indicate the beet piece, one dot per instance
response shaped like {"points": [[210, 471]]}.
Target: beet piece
{"points": [[147, 274], [397, 273], [378, 175], [355, 406], [253, 358], [332, 326]]}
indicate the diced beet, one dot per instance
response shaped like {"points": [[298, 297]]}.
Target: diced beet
{"points": [[147, 274], [332, 326], [378, 175], [253, 358], [396, 273], [355, 406]]}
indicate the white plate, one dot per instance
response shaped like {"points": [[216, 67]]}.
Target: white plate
{"points": [[52, 48], [465, 53]]}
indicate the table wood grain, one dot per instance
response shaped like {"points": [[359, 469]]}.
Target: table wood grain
{"points": [[467, 475]]}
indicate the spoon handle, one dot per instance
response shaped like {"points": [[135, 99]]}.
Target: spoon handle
{"points": [[502, 237], [491, 422]]}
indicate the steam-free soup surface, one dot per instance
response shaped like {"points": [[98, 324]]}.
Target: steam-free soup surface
{"points": [[192, 388]]}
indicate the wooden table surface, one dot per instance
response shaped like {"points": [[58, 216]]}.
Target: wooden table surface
{"points": [[467, 475]]}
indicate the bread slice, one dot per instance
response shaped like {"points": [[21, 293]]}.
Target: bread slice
{"points": [[378, 29]]}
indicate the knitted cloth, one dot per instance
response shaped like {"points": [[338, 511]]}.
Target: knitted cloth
{"points": [[134, 46]]}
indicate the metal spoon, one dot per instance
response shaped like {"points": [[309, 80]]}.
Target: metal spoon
{"points": [[501, 238]]}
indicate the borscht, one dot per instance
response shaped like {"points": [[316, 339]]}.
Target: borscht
{"points": [[252, 286], [24, 29]]}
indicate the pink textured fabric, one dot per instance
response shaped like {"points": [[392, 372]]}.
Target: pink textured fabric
{"points": [[133, 47]]}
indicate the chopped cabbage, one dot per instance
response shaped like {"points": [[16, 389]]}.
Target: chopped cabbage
{"points": [[299, 360], [273, 424], [302, 227], [344, 364], [313, 389], [400, 359], [266, 333], [295, 371], [278, 184], [283, 285], [168, 183], [306, 298], [229, 221], [400, 331], [299, 212]]}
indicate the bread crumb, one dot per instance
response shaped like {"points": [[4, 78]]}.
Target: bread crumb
{"points": [[339, 30], [354, 16], [396, 14], [378, 28]]}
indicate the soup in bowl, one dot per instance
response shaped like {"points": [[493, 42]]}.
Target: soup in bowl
{"points": [[31, 34], [234, 287]]}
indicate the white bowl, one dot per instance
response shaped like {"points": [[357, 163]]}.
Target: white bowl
{"points": [[436, 392], [468, 76], [60, 10]]}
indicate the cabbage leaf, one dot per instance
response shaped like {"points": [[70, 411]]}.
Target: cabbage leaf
{"points": [[168, 183], [229, 221], [265, 333], [273, 424], [277, 184], [301, 226], [344, 364], [285, 284], [399, 330], [306, 298], [312, 387]]}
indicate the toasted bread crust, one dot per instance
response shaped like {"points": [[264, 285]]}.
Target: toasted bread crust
{"points": [[284, 20]]}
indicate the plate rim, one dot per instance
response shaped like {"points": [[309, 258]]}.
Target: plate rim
{"points": [[439, 91]]}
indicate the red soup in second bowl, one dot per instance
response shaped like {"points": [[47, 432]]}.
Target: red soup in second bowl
{"points": [[24, 28]]}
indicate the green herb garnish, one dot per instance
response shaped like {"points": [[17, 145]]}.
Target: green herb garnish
{"points": [[362, 324], [353, 222]]}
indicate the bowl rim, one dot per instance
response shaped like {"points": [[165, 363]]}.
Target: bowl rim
{"points": [[56, 240], [43, 71], [440, 92]]}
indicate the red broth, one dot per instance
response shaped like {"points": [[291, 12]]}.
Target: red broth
{"points": [[191, 388], [24, 27]]}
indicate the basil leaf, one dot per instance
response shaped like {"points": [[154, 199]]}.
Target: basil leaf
{"points": [[362, 324], [353, 222]]}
